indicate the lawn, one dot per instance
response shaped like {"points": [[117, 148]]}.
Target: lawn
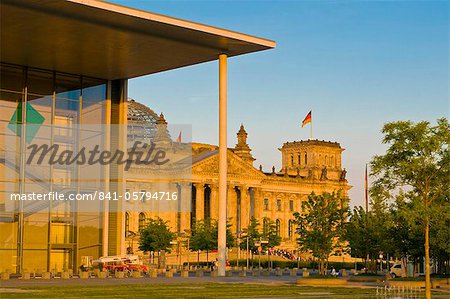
{"points": [[175, 291]]}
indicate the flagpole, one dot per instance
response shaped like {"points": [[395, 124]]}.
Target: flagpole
{"points": [[366, 193], [311, 130]]}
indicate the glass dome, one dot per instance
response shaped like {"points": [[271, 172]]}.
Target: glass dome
{"points": [[142, 122]]}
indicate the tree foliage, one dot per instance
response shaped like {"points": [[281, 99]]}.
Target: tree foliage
{"points": [[204, 235], [253, 234], [270, 233], [156, 236], [321, 225], [417, 160]]}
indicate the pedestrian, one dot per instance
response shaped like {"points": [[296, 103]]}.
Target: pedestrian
{"points": [[334, 273]]}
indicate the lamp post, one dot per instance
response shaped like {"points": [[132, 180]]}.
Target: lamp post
{"points": [[245, 231], [238, 240], [188, 236], [259, 244], [130, 235]]}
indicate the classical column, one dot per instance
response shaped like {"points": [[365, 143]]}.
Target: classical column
{"points": [[185, 206], [259, 203], [245, 207], [231, 207], [214, 201], [199, 201]]}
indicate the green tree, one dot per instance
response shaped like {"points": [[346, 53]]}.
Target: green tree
{"points": [[270, 233], [156, 236], [439, 233], [204, 236], [322, 223], [407, 229], [417, 159], [368, 233], [358, 234], [253, 234]]}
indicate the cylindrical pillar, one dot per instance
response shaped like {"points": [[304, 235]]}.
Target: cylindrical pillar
{"points": [[214, 202], [199, 201], [245, 207], [222, 243]]}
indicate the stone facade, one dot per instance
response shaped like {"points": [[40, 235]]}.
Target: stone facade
{"points": [[307, 166]]}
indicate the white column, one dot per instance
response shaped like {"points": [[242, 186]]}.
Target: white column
{"points": [[222, 164]]}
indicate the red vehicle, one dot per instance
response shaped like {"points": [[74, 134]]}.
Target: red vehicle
{"points": [[120, 263], [137, 267], [111, 264]]}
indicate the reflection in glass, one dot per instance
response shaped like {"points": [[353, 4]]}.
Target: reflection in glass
{"points": [[56, 105]]}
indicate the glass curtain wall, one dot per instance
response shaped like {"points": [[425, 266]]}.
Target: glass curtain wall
{"points": [[51, 107]]}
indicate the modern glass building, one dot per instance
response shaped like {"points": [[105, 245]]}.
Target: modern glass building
{"points": [[65, 64], [48, 236]]}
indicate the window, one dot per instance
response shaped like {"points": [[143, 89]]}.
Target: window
{"points": [[127, 223], [290, 228], [141, 221], [266, 204], [278, 204], [299, 157], [326, 160], [278, 226], [292, 160], [291, 205], [143, 196], [306, 159], [265, 225]]}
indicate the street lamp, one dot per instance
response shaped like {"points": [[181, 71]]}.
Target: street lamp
{"points": [[130, 235], [245, 231], [188, 236], [238, 241], [259, 244]]}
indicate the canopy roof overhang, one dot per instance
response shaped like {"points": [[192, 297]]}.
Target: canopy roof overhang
{"points": [[109, 41]]}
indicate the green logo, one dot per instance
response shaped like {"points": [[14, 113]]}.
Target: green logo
{"points": [[33, 117]]}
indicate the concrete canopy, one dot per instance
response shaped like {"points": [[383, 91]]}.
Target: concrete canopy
{"points": [[108, 41]]}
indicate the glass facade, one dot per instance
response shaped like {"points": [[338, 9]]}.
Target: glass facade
{"points": [[51, 237]]}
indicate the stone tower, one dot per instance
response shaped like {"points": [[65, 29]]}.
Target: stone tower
{"points": [[316, 159], [162, 136], [242, 149]]}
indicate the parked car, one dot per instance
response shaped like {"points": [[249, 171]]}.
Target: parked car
{"points": [[396, 271]]}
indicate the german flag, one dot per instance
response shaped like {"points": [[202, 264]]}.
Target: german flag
{"points": [[307, 119]]}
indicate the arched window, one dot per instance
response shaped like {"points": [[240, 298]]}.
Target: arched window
{"points": [[292, 160], [332, 161], [299, 159], [127, 223], [306, 159], [290, 228], [278, 226], [141, 223]]}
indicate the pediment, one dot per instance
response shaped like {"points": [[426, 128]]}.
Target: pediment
{"points": [[236, 166]]}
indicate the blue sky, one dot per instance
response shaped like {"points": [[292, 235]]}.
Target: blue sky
{"points": [[355, 64]]}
